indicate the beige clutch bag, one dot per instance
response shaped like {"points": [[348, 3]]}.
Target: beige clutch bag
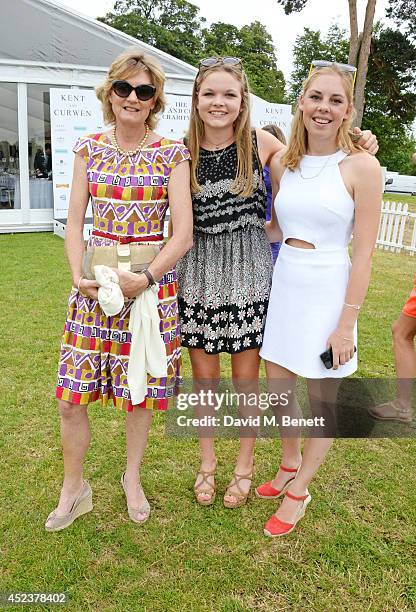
{"points": [[131, 257]]}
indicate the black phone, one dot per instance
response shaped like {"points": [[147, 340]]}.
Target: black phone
{"points": [[328, 359]]}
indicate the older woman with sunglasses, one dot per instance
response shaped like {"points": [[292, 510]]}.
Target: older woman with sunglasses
{"points": [[131, 175]]}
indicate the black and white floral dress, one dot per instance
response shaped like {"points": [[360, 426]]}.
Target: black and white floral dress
{"points": [[224, 280]]}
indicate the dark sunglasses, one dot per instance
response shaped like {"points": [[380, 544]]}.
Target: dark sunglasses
{"points": [[123, 89], [208, 62]]}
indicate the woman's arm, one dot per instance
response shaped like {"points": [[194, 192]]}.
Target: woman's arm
{"points": [[180, 206], [74, 237], [366, 182], [273, 231], [368, 140], [268, 145]]}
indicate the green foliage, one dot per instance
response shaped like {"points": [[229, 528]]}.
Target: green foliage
{"points": [[253, 44], [390, 100], [175, 26], [390, 78], [292, 6], [312, 45], [396, 141], [390, 106], [403, 12]]}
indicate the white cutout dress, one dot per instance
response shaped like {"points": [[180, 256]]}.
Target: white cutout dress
{"points": [[309, 285]]}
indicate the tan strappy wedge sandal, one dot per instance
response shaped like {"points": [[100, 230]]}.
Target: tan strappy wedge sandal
{"points": [[81, 505], [241, 497], [391, 411], [211, 489]]}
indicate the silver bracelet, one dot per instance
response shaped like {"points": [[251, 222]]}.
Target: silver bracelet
{"points": [[355, 306]]}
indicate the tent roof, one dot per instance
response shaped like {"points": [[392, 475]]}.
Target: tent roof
{"points": [[44, 31]]}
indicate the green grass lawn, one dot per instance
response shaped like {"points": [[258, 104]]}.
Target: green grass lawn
{"points": [[354, 550]]}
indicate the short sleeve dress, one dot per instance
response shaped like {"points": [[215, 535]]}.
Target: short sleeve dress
{"points": [[224, 279], [129, 198]]}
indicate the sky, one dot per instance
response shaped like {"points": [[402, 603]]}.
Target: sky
{"points": [[317, 15]]}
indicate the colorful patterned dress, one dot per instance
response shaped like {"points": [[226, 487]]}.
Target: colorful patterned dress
{"points": [[129, 199]]}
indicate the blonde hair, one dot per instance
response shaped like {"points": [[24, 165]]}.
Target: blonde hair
{"points": [[243, 182], [125, 66], [298, 141], [275, 131]]}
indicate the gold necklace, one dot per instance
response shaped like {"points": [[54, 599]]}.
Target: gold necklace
{"points": [[220, 144], [133, 152]]}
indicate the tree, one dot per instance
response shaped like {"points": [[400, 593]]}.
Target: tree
{"points": [[391, 101], [390, 107], [396, 141], [403, 12], [254, 46], [311, 45], [173, 26], [391, 69], [221, 39], [359, 44]]}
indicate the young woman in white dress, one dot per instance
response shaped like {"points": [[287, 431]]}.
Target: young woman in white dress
{"points": [[327, 189]]}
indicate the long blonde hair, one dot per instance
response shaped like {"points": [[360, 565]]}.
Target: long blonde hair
{"points": [[298, 141], [126, 65], [243, 182]]}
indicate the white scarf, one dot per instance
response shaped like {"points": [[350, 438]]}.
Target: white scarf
{"points": [[147, 351]]}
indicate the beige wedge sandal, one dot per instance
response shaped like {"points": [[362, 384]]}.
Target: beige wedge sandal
{"points": [[133, 512], [81, 505]]}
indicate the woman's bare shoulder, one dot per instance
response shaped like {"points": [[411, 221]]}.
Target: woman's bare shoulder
{"points": [[361, 160]]}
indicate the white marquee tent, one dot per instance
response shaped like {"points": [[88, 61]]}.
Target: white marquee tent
{"points": [[44, 45]]}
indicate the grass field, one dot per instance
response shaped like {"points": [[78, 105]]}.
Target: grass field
{"points": [[354, 550]]}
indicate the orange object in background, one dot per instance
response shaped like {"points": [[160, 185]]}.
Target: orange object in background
{"points": [[409, 308]]}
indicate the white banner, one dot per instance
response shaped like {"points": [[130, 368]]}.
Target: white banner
{"points": [[263, 113], [175, 120], [74, 113]]}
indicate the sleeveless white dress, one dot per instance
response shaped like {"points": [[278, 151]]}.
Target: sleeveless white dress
{"points": [[309, 285]]}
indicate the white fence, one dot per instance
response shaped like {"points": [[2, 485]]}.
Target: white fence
{"points": [[397, 230]]}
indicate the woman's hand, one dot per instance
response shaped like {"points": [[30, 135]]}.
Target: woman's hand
{"points": [[131, 284], [89, 288], [368, 140], [342, 343]]}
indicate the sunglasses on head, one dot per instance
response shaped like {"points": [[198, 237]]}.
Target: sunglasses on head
{"points": [[317, 64], [209, 62], [143, 92]]}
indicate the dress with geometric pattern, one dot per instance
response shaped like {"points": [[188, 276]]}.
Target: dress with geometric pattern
{"points": [[129, 199]]}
